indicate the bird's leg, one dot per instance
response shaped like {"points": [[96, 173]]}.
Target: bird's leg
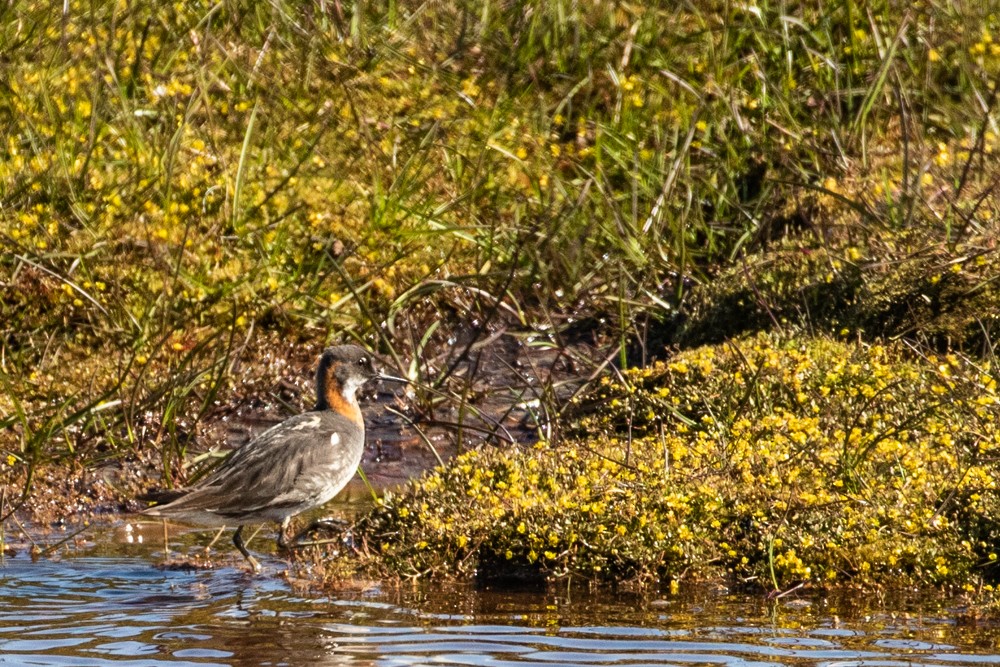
{"points": [[330, 523], [238, 541], [283, 533]]}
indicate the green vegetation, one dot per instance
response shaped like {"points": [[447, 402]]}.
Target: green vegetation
{"points": [[196, 188], [765, 461]]}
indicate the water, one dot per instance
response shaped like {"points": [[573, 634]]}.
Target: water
{"points": [[103, 602]]}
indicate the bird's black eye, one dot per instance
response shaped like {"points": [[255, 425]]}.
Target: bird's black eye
{"points": [[363, 361]]}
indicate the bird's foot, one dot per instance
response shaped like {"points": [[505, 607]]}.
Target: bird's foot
{"points": [[238, 541], [330, 524]]}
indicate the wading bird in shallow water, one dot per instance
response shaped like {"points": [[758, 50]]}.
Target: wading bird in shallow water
{"points": [[297, 465]]}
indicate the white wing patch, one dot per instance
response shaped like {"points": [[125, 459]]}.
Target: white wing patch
{"points": [[334, 439], [312, 422]]}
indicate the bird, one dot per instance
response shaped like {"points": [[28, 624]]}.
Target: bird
{"points": [[294, 466]]}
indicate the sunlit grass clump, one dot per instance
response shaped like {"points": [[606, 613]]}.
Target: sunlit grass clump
{"points": [[765, 462], [875, 286]]}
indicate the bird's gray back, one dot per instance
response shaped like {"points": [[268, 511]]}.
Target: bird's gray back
{"points": [[298, 464]]}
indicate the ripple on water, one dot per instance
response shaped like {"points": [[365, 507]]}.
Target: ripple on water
{"points": [[112, 611]]}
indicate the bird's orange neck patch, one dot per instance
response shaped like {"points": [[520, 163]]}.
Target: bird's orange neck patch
{"points": [[336, 401]]}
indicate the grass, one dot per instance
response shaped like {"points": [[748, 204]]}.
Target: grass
{"points": [[188, 188]]}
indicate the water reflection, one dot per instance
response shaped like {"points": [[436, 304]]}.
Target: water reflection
{"points": [[115, 609]]}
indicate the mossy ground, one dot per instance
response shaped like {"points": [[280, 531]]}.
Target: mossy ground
{"points": [[194, 191], [912, 285], [768, 462]]}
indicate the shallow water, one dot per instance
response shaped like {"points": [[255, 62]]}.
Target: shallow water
{"points": [[103, 602]]}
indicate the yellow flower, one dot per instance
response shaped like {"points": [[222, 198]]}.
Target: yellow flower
{"points": [[943, 157]]}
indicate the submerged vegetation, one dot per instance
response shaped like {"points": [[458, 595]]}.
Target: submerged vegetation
{"points": [[192, 191]]}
